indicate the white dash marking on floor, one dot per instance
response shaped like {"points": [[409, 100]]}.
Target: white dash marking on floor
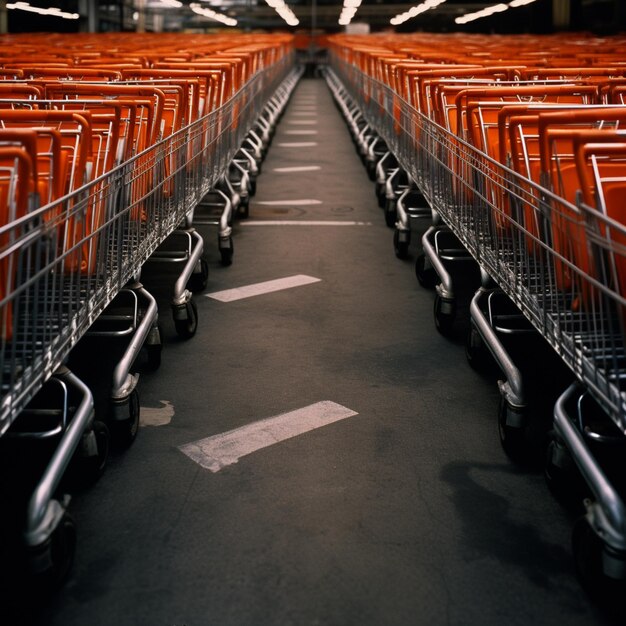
{"points": [[259, 289], [161, 416], [300, 132], [298, 144], [307, 113], [219, 451], [303, 223], [298, 168], [302, 122], [303, 202]]}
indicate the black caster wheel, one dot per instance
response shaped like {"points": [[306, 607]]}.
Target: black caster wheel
{"points": [[252, 186], [426, 276], [391, 214], [226, 253], [562, 476], [186, 320], [512, 438], [154, 356], [243, 211], [401, 244], [125, 431], [154, 350], [587, 552], [198, 280], [89, 465], [476, 352], [595, 562], [382, 199], [444, 314], [371, 170], [379, 190], [61, 550]]}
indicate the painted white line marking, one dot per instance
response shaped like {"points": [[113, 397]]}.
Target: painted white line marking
{"points": [[160, 416], [300, 132], [299, 144], [307, 113], [300, 168], [216, 452], [306, 202], [259, 289], [302, 122], [302, 223]]}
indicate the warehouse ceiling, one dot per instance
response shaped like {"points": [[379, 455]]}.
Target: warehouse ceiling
{"points": [[304, 15], [325, 14]]}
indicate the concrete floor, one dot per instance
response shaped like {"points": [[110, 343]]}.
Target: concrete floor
{"points": [[406, 513]]}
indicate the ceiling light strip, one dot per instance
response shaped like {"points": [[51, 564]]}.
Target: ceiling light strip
{"points": [[491, 10], [415, 11], [213, 15], [284, 11], [350, 7], [52, 11]]}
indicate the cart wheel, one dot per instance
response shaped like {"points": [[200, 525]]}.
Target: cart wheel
{"points": [[227, 253], [401, 248], [588, 550], [252, 186], [371, 170], [426, 277], [477, 354], [243, 210], [378, 190], [391, 214], [511, 437], [198, 280], [86, 469], [562, 477], [154, 351], [92, 467], [186, 328], [125, 431], [445, 314], [62, 549], [382, 198]]}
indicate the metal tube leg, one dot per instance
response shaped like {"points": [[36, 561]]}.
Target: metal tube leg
{"points": [[446, 289], [513, 389], [123, 381], [607, 515], [180, 287], [43, 512]]}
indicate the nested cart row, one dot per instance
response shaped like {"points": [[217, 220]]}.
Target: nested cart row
{"points": [[111, 149], [520, 163]]}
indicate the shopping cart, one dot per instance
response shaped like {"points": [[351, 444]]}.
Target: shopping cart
{"points": [[538, 207], [102, 174]]}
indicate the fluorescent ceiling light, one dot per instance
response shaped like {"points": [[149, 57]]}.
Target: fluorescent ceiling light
{"points": [[350, 7], [53, 11], [487, 11], [284, 11], [414, 11], [213, 15]]}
